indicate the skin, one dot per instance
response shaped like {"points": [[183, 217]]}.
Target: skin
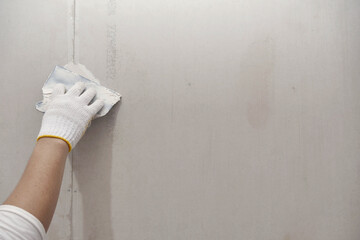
{"points": [[38, 189]]}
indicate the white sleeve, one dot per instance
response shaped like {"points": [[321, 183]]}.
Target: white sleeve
{"points": [[18, 224]]}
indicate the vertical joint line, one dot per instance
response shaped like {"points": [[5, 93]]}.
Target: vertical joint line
{"points": [[74, 31], [71, 158], [72, 152]]}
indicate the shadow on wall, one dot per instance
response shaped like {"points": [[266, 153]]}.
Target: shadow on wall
{"points": [[92, 170]]}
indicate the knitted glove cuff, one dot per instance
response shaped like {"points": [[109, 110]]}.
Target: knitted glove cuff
{"points": [[65, 128]]}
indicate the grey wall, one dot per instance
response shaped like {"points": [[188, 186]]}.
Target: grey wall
{"points": [[239, 119]]}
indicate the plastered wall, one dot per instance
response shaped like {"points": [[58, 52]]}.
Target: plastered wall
{"points": [[239, 119]]}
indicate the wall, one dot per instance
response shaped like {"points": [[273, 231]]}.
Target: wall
{"points": [[239, 119]]}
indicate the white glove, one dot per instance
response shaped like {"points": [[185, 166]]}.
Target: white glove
{"points": [[68, 114]]}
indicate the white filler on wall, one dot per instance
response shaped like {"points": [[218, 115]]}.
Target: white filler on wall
{"points": [[69, 78]]}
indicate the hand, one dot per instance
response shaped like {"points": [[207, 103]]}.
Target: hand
{"points": [[69, 114]]}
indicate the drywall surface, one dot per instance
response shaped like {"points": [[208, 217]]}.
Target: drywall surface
{"points": [[239, 119], [33, 40]]}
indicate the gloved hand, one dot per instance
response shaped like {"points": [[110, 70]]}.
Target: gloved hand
{"points": [[68, 114]]}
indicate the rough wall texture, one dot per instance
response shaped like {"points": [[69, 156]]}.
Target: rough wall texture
{"points": [[239, 119]]}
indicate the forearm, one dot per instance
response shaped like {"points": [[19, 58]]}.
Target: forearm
{"points": [[38, 189], [66, 118]]}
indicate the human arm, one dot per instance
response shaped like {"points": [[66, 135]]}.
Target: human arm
{"points": [[64, 123], [38, 189]]}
